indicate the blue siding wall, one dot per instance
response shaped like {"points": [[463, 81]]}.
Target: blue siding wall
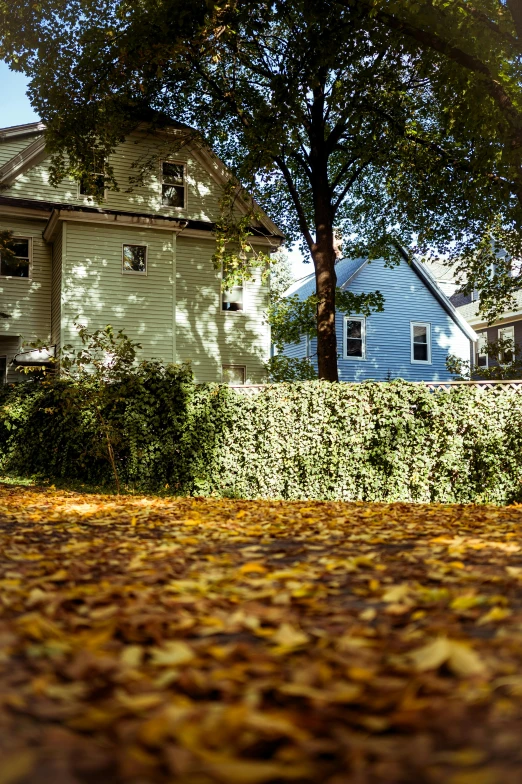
{"points": [[388, 341]]}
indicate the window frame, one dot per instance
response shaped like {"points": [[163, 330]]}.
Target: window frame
{"points": [[30, 249], [183, 164], [362, 319], [510, 327], [235, 367], [426, 324], [482, 336], [4, 379], [135, 272], [222, 292]]}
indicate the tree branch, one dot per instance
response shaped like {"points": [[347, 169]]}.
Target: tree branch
{"points": [[303, 223]]}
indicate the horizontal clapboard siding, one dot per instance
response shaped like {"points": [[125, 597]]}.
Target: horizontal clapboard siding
{"points": [[28, 301], [96, 293], [11, 147], [208, 337], [138, 150], [56, 287], [9, 346]]}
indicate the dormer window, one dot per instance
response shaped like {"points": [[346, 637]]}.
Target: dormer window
{"points": [[173, 184]]}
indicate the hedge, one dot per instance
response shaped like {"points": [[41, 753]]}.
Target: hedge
{"points": [[392, 441]]}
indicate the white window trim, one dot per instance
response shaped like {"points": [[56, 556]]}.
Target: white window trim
{"points": [[235, 366], [135, 272], [511, 329], [4, 379], [185, 186], [362, 319], [233, 313], [428, 335], [30, 276], [485, 336]]}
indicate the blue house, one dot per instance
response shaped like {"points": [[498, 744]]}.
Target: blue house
{"points": [[410, 339]]}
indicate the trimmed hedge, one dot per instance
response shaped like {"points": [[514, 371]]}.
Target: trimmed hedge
{"points": [[393, 441]]}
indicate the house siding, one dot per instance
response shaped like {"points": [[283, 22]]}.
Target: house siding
{"points": [[96, 293], [28, 301], [59, 249], [388, 336], [207, 336]]}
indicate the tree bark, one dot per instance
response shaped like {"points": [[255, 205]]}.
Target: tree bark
{"points": [[323, 254]]}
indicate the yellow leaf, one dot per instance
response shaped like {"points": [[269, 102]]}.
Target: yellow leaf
{"points": [[495, 614], [465, 602], [132, 655], [396, 593], [139, 702], [16, 766], [252, 567], [244, 772], [461, 659], [172, 654], [432, 655], [290, 637]]}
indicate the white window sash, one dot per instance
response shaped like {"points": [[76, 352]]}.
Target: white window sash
{"points": [[174, 185], [427, 325], [362, 320], [482, 343], [135, 272], [234, 367], [506, 333]]}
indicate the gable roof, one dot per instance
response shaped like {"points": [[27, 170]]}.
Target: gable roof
{"points": [[348, 269], [36, 152]]}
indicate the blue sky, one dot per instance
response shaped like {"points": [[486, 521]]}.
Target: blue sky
{"points": [[16, 109]]}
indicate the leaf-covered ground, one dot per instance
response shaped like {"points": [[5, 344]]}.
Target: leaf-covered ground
{"points": [[239, 642]]}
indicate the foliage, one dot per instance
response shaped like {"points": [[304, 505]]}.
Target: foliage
{"points": [[365, 120], [292, 317], [233, 642], [281, 276], [280, 368], [395, 441], [504, 362]]}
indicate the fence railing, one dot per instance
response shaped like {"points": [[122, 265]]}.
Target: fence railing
{"points": [[515, 387]]}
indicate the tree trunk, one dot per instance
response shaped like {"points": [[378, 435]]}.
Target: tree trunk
{"points": [[323, 254]]}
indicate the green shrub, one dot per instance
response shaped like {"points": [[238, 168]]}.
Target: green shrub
{"points": [[392, 441]]}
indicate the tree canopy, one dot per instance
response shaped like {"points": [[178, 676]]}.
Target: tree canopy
{"points": [[359, 124]]}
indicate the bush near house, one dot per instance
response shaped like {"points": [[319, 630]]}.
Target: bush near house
{"points": [[371, 441]]}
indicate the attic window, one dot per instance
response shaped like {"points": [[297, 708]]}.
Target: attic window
{"points": [[93, 185], [173, 184], [19, 265]]}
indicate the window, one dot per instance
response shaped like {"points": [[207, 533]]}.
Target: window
{"points": [[135, 259], [232, 300], [354, 338], [173, 184], [19, 265], [3, 370], [234, 375], [93, 186], [505, 357], [481, 358], [420, 342]]}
